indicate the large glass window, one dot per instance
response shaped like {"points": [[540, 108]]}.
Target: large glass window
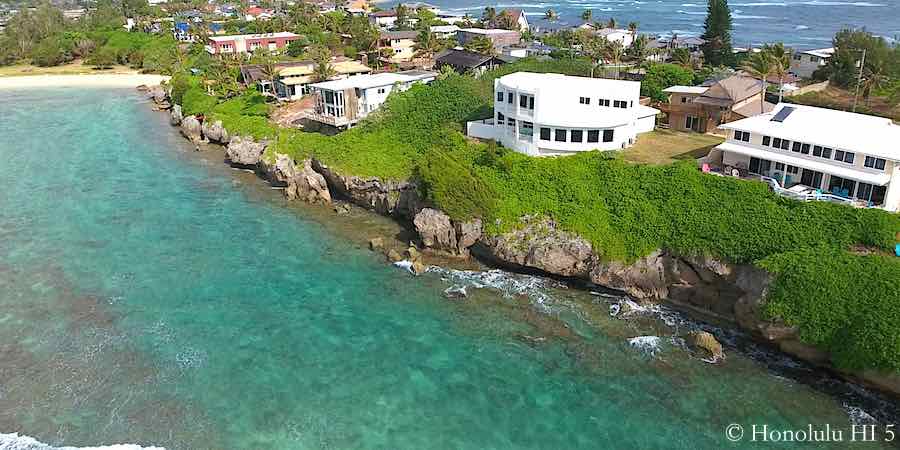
{"points": [[875, 163], [766, 141], [526, 129], [841, 186], [608, 135], [499, 96], [593, 136], [509, 98]]}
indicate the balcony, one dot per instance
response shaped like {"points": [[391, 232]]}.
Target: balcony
{"points": [[328, 120]]}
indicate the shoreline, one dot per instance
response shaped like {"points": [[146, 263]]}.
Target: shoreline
{"points": [[107, 80]]}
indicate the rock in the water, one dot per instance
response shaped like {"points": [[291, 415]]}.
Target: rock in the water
{"points": [[342, 208], [418, 267], [706, 341], [394, 256], [158, 94], [376, 244], [191, 129], [301, 182], [412, 253], [455, 292], [215, 132], [244, 151], [175, 116], [436, 230]]}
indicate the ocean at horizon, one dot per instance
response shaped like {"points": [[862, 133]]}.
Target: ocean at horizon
{"points": [[152, 295], [800, 24]]}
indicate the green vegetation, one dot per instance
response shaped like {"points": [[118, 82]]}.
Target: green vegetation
{"points": [[662, 76], [717, 34], [850, 304]]}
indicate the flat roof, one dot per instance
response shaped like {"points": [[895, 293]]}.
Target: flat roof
{"points": [[821, 53], [375, 80], [686, 89], [870, 135]]}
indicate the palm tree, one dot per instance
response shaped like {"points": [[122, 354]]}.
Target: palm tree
{"points": [[481, 45], [489, 16], [682, 57], [268, 67], [632, 27], [613, 53], [781, 63], [587, 16], [324, 70], [611, 23], [551, 15], [426, 44], [639, 49], [759, 65]]}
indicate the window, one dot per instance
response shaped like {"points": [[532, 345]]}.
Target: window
{"points": [[381, 90], [604, 102], [841, 186], [779, 166], [593, 136], [838, 155], [826, 152], [526, 129], [531, 102], [545, 134], [691, 123], [817, 150], [584, 100], [776, 142], [804, 149], [766, 141], [509, 98], [741, 136], [500, 118], [847, 157], [608, 135], [785, 144], [793, 170], [683, 99], [523, 101], [620, 104], [510, 122], [871, 193], [577, 136], [875, 163], [499, 96], [796, 147], [560, 135]]}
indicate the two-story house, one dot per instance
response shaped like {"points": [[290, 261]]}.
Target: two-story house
{"points": [[715, 102], [805, 63], [554, 114], [248, 43], [850, 155], [343, 103], [400, 45]]}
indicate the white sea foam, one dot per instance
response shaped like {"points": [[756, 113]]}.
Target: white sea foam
{"points": [[801, 27], [648, 345], [508, 284], [16, 442]]}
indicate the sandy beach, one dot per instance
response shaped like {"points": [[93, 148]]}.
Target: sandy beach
{"points": [[92, 80]]}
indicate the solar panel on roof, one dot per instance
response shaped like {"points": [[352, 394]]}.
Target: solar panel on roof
{"points": [[783, 114]]}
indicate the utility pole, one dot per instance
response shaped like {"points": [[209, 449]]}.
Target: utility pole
{"points": [[862, 66]]}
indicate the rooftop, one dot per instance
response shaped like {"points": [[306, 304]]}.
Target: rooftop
{"points": [[821, 53], [283, 34], [488, 31], [399, 34], [376, 80], [686, 89], [871, 135], [462, 58]]}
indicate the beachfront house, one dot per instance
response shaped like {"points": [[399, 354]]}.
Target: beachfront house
{"points": [[444, 31], [817, 151], [383, 19], [554, 114], [247, 43], [343, 103], [715, 102], [804, 63], [500, 38]]}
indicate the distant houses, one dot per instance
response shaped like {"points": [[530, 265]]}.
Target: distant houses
{"points": [[703, 108], [343, 103], [247, 43], [464, 61], [500, 38], [554, 114], [399, 45], [815, 153]]}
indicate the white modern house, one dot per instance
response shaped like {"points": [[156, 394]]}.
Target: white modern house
{"points": [[343, 103], [553, 114], [820, 151], [803, 64]]}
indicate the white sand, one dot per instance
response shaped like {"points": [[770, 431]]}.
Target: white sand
{"points": [[92, 80]]}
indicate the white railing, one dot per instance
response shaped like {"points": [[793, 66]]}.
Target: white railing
{"points": [[817, 195]]}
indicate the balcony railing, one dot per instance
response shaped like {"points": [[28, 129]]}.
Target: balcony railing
{"points": [[326, 119]]}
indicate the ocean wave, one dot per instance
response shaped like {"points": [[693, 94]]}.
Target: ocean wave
{"points": [[741, 16], [16, 442], [508, 284], [801, 27], [691, 13], [859, 416], [648, 345]]}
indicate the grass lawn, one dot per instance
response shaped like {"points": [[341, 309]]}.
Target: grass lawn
{"points": [[667, 146], [73, 68]]}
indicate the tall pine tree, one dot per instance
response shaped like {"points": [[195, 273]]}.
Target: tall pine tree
{"points": [[717, 34]]}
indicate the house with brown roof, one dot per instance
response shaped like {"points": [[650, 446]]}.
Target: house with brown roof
{"points": [[715, 102]]}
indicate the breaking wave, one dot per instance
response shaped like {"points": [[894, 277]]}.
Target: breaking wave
{"points": [[648, 345], [16, 442], [508, 284]]}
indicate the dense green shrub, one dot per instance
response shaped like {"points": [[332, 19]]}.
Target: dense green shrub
{"points": [[52, 51], [844, 303], [197, 101], [662, 76]]}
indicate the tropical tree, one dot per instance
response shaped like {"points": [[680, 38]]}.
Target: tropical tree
{"points": [[489, 16], [587, 16], [506, 21], [592, 46], [551, 15], [717, 49], [632, 27], [613, 52], [683, 58], [780, 60], [759, 65], [611, 23], [481, 45], [639, 49], [323, 70], [427, 44]]}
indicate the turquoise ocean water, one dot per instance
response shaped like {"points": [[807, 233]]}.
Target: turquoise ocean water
{"points": [[149, 296]]}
